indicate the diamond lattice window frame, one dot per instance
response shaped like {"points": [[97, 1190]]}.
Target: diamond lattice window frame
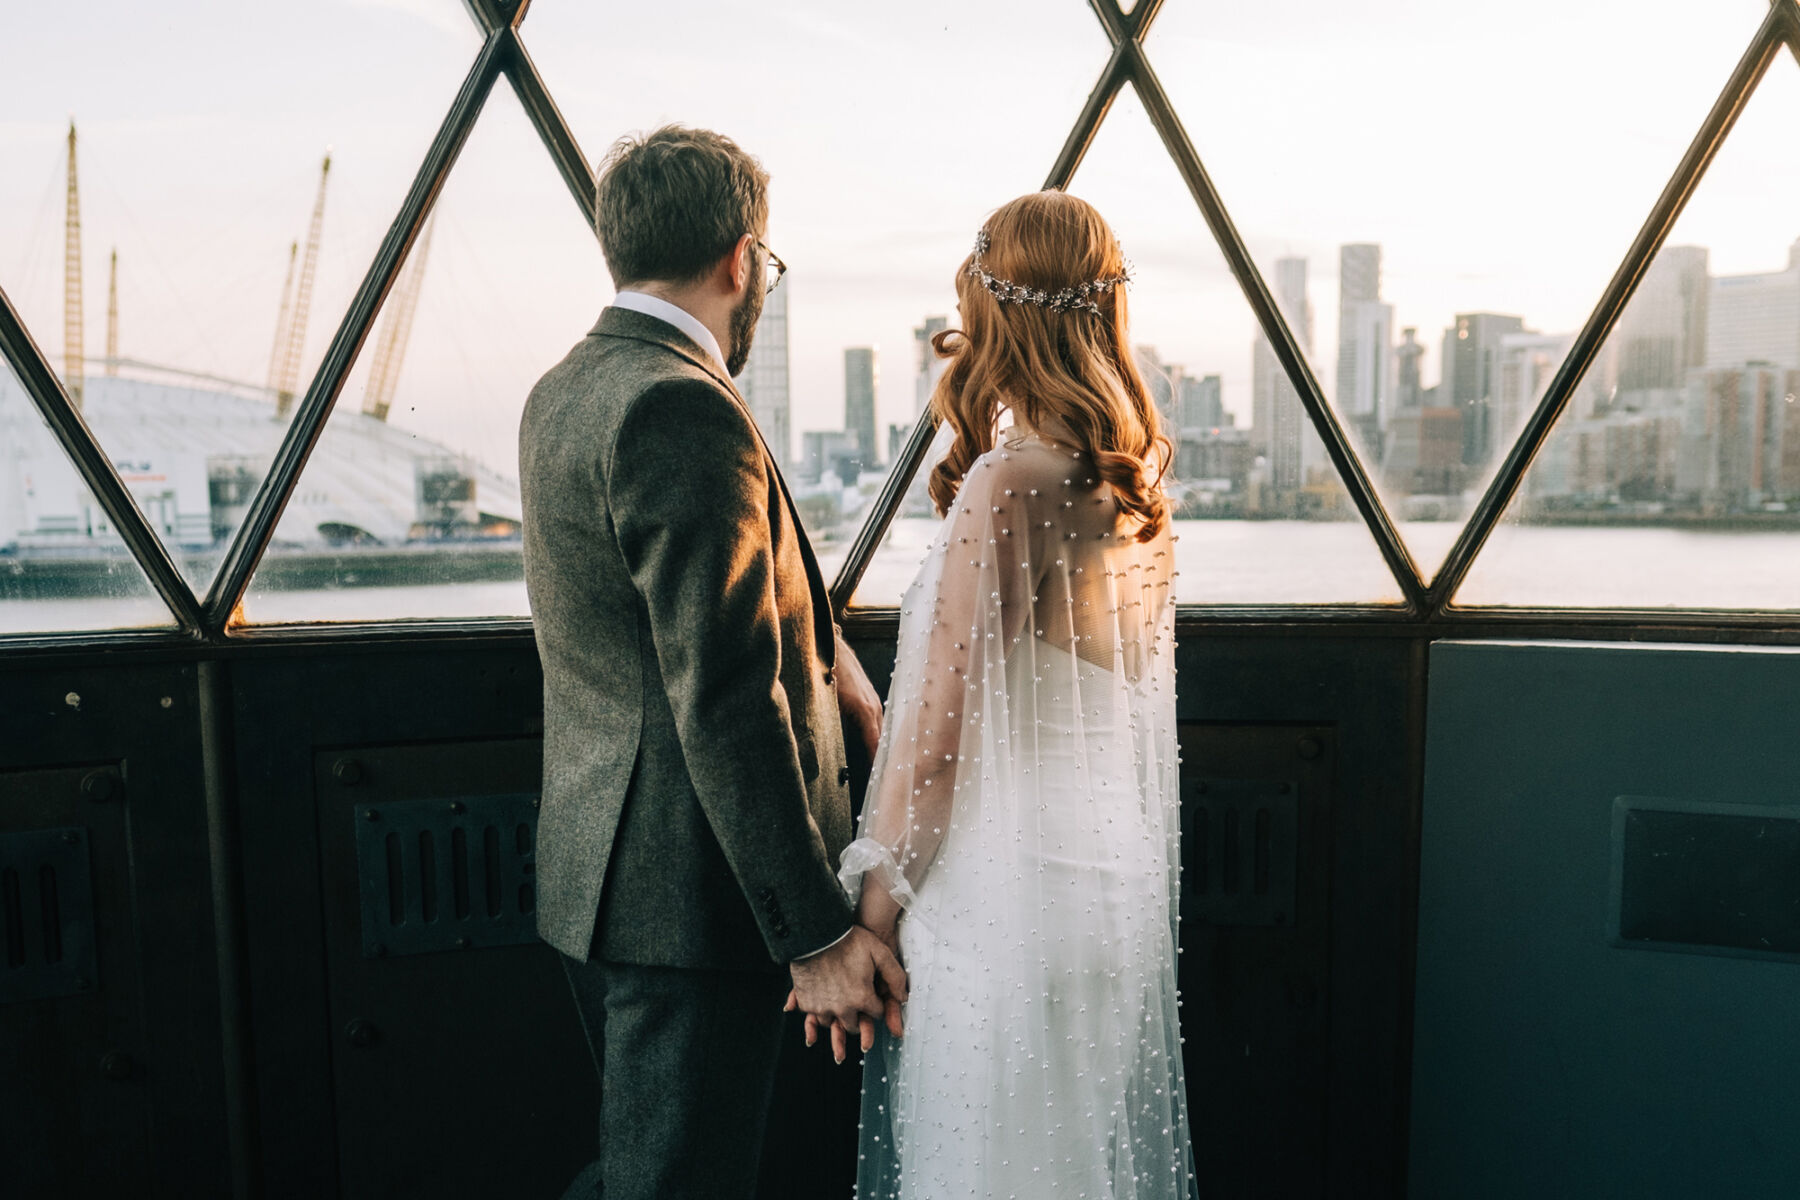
{"points": [[210, 618]]}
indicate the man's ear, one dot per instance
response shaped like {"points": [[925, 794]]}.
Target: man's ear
{"points": [[740, 263]]}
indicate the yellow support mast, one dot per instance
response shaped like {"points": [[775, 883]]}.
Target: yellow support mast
{"points": [[281, 321], [112, 316], [287, 382], [390, 348], [74, 375]]}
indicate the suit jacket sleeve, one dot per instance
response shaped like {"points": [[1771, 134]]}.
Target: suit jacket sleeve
{"points": [[689, 489]]}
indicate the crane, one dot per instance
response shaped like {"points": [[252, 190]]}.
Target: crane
{"points": [[112, 316], [288, 347], [390, 348], [73, 373]]}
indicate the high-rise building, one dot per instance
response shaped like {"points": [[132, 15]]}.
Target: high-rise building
{"points": [[1365, 360], [1409, 392], [1754, 318], [1470, 365], [1661, 335], [927, 365], [1278, 421], [1741, 443], [1202, 404], [1527, 364], [859, 404], [764, 380]]}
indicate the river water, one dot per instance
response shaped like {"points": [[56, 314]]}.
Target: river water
{"points": [[1220, 563]]}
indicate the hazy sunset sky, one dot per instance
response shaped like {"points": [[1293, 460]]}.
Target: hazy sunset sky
{"points": [[1503, 156]]}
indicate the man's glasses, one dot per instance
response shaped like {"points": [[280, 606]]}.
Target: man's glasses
{"points": [[773, 268]]}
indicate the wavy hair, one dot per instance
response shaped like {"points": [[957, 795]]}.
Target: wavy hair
{"points": [[1072, 369]]}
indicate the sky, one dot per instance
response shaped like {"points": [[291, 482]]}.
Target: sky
{"points": [[1503, 157]]}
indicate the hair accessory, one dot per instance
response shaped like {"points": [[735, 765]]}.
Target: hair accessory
{"points": [[1069, 299]]}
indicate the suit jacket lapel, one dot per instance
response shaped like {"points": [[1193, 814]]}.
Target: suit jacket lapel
{"points": [[624, 322]]}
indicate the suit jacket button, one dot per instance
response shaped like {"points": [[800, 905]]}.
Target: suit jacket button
{"points": [[843, 775]]}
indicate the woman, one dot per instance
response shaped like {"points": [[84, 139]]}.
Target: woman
{"points": [[1019, 843]]}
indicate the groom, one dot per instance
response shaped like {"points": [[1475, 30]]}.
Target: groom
{"points": [[695, 795]]}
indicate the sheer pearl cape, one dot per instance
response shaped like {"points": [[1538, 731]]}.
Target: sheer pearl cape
{"points": [[1024, 812]]}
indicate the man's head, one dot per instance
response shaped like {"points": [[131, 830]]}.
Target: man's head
{"points": [[686, 207]]}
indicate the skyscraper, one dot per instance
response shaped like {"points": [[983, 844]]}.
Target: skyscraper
{"points": [[1754, 318], [1661, 335], [927, 365], [1470, 375], [1277, 419], [764, 381], [859, 404], [1365, 345]]}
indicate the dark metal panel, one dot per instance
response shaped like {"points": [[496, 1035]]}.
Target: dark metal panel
{"points": [[96, 469], [315, 408], [1668, 206], [1255, 968], [423, 1044], [73, 1087], [291, 701], [1363, 691], [1240, 842], [120, 1084], [444, 872], [47, 931], [1706, 878]]}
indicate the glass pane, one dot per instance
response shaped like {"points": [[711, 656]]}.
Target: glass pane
{"points": [[1258, 523], [62, 568], [203, 128], [409, 506], [1672, 479], [876, 124], [1453, 179]]}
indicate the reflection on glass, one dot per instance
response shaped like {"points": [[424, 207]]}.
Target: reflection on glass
{"points": [[1672, 479], [179, 247], [409, 506], [1460, 181], [884, 159], [62, 566]]}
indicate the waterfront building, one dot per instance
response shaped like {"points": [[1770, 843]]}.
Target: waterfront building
{"points": [[830, 451], [1755, 318], [765, 378], [1741, 444], [927, 366], [1278, 421], [1662, 333], [1469, 365], [859, 405], [1365, 356]]}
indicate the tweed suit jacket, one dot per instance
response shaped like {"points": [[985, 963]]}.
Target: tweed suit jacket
{"points": [[695, 795]]}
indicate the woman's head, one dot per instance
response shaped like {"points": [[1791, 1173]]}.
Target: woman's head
{"points": [[1044, 336]]}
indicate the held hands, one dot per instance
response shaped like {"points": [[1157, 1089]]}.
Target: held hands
{"points": [[850, 986]]}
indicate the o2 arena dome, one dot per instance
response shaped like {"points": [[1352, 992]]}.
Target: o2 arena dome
{"points": [[193, 457]]}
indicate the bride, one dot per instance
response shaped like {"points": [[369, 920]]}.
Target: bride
{"points": [[1019, 844]]}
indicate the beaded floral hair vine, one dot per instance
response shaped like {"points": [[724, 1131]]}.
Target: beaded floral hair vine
{"points": [[1069, 299]]}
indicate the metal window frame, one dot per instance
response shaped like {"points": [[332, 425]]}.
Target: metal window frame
{"points": [[503, 52]]}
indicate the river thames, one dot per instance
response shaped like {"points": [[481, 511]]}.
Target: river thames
{"points": [[1221, 563]]}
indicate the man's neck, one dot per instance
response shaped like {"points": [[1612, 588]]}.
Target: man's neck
{"points": [[697, 301]]}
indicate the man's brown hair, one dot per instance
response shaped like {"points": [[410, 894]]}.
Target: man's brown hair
{"points": [[673, 202]]}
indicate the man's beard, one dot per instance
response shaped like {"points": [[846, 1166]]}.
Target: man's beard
{"points": [[743, 325]]}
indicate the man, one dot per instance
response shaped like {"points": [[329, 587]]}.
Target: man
{"points": [[695, 789]]}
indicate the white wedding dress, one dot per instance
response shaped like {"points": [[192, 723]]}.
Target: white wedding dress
{"points": [[1024, 810]]}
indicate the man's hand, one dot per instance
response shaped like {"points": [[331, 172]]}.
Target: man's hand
{"points": [[850, 986], [857, 698]]}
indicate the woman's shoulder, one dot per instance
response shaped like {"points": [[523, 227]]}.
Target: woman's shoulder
{"points": [[1026, 462]]}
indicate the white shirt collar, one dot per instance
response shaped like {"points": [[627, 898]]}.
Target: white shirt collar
{"points": [[674, 314]]}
